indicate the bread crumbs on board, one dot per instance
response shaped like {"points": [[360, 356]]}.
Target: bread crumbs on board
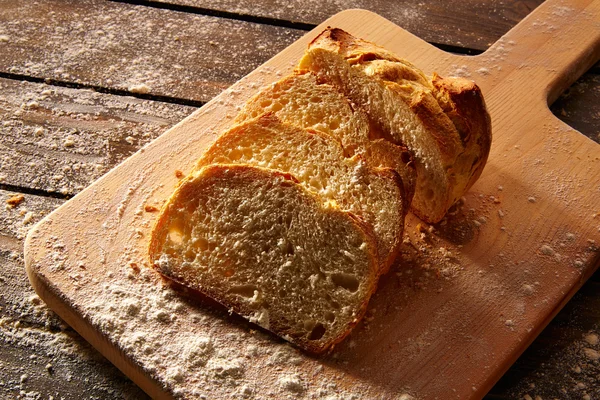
{"points": [[15, 200]]}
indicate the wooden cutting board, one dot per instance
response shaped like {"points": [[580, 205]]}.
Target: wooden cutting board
{"points": [[472, 294]]}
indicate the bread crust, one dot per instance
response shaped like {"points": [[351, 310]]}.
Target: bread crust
{"points": [[463, 102], [451, 110]]}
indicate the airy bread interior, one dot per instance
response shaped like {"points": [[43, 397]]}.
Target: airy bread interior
{"points": [[262, 245], [300, 100], [412, 110], [319, 164]]}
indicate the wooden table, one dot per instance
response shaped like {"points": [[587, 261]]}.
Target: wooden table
{"points": [[84, 84]]}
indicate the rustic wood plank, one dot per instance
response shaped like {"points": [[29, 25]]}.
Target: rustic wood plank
{"points": [[40, 356], [164, 52], [470, 28], [37, 120], [473, 25], [172, 53], [59, 139]]}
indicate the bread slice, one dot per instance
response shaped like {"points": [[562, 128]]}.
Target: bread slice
{"points": [[318, 162], [262, 245], [443, 122], [300, 100]]}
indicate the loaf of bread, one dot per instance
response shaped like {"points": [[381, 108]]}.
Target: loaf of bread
{"points": [[265, 247], [293, 214], [442, 121], [317, 161], [300, 100]]}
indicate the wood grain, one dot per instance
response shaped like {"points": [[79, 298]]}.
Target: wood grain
{"points": [[192, 58], [473, 25], [481, 319], [59, 139], [164, 52]]}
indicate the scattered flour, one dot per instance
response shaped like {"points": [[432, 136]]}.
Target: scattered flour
{"points": [[292, 383], [73, 136]]}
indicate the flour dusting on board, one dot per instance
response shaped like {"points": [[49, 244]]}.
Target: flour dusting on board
{"points": [[193, 349]]}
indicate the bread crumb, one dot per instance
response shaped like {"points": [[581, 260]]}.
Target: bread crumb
{"points": [[28, 218], [547, 250], [134, 267], [528, 289], [246, 391], [149, 208], [178, 173], [32, 105], [531, 199], [14, 201]]}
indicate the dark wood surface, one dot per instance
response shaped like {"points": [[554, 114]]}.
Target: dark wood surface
{"points": [[84, 84]]}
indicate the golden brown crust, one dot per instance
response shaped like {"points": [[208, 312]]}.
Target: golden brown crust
{"points": [[436, 123], [451, 110], [463, 102]]}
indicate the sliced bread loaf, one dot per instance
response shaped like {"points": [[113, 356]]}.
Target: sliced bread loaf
{"points": [[261, 244], [299, 99], [319, 164], [443, 122]]}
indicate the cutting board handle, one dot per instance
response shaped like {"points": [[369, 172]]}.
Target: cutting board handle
{"points": [[551, 47]]}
